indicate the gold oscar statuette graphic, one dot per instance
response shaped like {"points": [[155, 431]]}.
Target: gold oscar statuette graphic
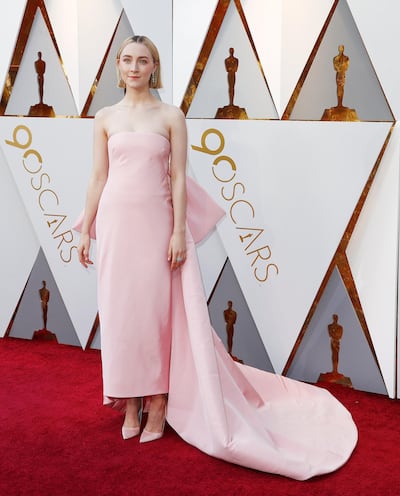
{"points": [[230, 320], [340, 113], [231, 111], [44, 334], [335, 331], [41, 109]]}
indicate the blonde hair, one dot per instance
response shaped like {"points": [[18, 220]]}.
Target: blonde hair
{"points": [[155, 80]]}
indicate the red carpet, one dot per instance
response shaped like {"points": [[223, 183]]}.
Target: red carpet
{"points": [[57, 439]]}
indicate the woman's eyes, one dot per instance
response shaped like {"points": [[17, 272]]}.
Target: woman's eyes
{"points": [[141, 61]]}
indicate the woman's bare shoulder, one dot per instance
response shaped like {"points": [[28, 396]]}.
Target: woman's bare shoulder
{"points": [[106, 112], [172, 110], [173, 115], [106, 118]]}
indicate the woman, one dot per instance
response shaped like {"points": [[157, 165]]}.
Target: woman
{"points": [[139, 118], [156, 336]]}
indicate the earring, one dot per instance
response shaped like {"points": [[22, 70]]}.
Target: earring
{"points": [[121, 82], [153, 79]]}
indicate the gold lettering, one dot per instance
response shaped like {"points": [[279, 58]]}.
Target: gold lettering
{"points": [[242, 238], [59, 218], [32, 162], [233, 192], [224, 158], [204, 148], [41, 177], [71, 248], [266, 272], [66, 237], [15, 141], [234, 204], [51, 193], [238, 214], [259, 231], [258, 251], [39, 158]]}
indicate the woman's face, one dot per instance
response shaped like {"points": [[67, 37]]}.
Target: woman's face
{"points": [[136, 65]]}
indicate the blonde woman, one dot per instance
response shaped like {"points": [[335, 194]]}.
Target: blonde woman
{"points": [[158, 346]]}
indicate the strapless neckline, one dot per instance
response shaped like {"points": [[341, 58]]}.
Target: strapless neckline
{"points": [[148, 133]]}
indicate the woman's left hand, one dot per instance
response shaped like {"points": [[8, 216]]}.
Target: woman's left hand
{"points": [[177, 250]]}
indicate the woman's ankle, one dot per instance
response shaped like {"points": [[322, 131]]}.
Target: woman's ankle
{"points": [[132, 411], [157, 411], [159, 400]]}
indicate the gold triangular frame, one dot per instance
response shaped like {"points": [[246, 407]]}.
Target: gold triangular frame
{"points": [[208, 44]]}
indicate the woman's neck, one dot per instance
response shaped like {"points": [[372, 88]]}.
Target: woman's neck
{"points": [[134, 98]]}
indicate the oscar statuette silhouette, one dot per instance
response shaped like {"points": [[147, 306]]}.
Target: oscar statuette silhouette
{"points": [[41, 109], [44, 334], [340, 113], [231, 111], [335, 331], [230, 320]]}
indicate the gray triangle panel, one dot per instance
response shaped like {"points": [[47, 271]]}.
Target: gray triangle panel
{"points": [[29, 318], [247, 345]]}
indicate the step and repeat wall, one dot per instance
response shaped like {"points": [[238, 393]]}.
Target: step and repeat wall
{"points": [[291, 109]]}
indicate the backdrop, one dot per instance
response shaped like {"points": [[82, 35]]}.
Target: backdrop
{"points": [[308, 251]]}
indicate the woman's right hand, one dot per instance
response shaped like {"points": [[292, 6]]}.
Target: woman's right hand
{"points": [[83, 250]]}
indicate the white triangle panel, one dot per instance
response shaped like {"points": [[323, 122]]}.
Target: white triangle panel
{"points": [[302, 24], [191, 21], [93, 47], [264, 18], [83, 41], [107, 91], [20, 245], [291, 195], [11, 18], [373, 258], [51, 160], [378, 23], [153, 18], [63, 16]]}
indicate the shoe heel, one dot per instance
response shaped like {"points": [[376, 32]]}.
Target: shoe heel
{"points": [[147, 436], [129, 432]]}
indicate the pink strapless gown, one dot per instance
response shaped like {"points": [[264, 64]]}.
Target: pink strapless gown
{"points": [[156, 335]]}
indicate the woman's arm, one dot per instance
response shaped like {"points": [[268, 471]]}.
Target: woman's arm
{"points": [[97, 181], [178, 139]]}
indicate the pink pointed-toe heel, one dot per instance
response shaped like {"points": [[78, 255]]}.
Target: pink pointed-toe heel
{"points": [[129, 432], [148, 436]]}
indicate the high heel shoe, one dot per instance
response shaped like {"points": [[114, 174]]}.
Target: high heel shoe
{"points": [[129, 432], [148, 436]]}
